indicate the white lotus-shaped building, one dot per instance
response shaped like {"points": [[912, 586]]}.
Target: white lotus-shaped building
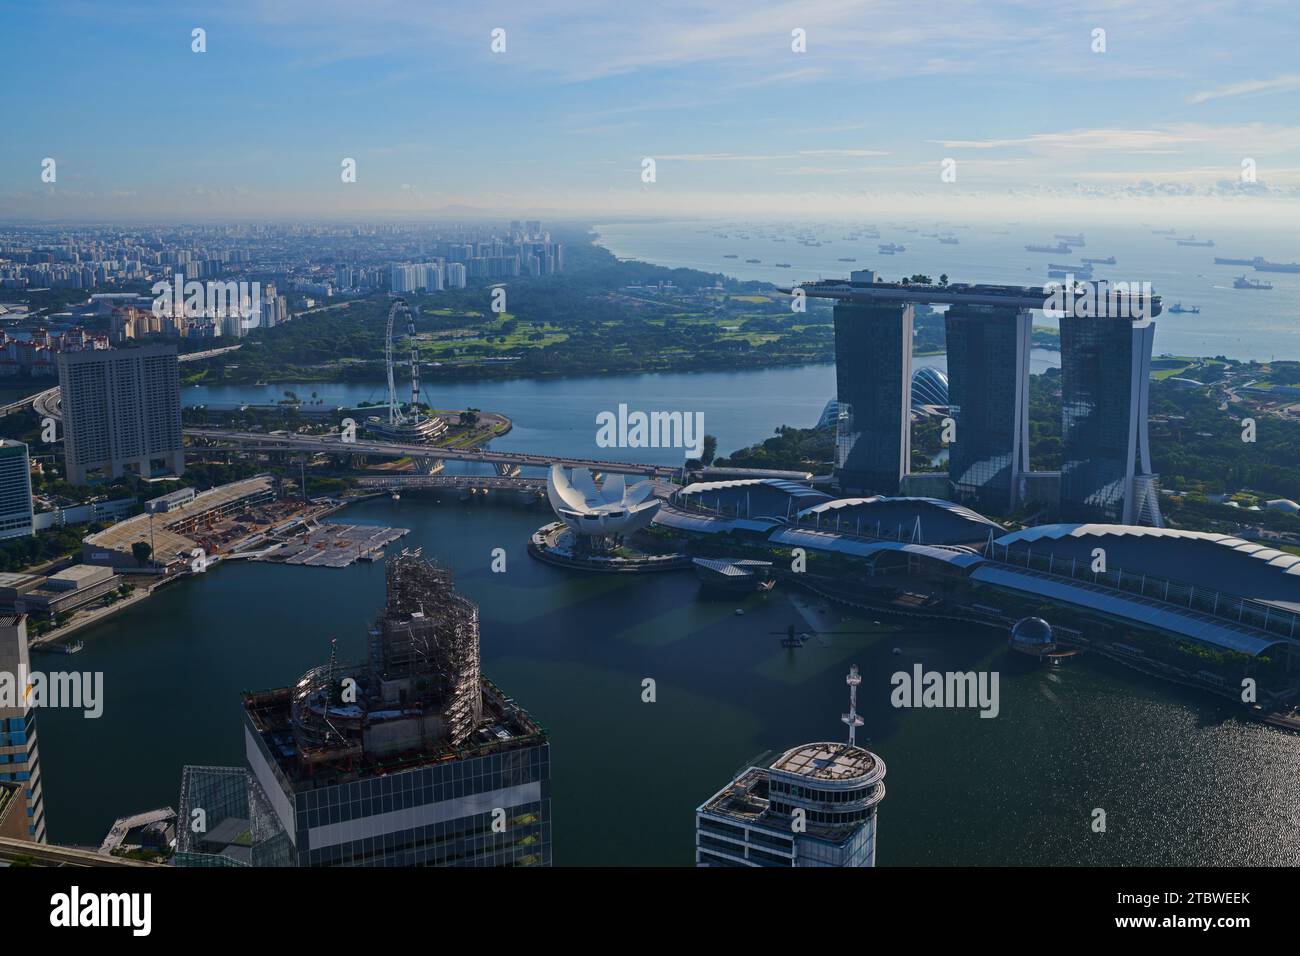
{"points": [[613, 510]]}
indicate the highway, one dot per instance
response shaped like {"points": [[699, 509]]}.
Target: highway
{"points": [[334, 445]]}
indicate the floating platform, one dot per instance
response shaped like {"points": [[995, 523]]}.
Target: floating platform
{"points": [[332, 545]]}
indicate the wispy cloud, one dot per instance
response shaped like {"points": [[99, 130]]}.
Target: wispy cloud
{"points": [[1279, 84]]}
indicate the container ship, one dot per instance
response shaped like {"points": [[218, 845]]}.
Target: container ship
{"points": [[1220, 261], [1108, 261], [1262, 266], [1059, 248]]}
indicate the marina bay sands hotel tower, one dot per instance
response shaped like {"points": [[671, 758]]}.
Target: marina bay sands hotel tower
{"points": [[1106, 469]]}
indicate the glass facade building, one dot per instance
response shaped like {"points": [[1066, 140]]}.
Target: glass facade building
{"points": [[19, 759], [1106, 473], [15, 490], [487, 809], [988, 399], [873, 382]]}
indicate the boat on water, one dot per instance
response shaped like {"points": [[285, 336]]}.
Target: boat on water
{"points": [[1060, 248], [731, 255], [847, 259], [890, 248], [73, 647], [1264, 266], [781, 265], [1193, 241], [1241, 282], [1179, 309], [1221, 261], [753, 261], [949, 240], [1075, 240], [1067, 271], [1108, 261]]}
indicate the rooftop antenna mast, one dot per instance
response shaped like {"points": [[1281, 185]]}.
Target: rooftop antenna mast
{"points": [[852, 718]]}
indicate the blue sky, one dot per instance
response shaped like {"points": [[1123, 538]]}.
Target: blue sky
{"points": [[142, 127]]}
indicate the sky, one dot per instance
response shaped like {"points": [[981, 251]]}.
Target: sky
{"points": [[1034, 106]]}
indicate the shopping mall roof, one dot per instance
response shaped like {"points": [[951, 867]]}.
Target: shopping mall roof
{"points": [[1155, 614], [1216, 562], [942, 522], [861, 547]]}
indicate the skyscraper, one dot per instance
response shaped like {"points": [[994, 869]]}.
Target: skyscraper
{"points": [[988, 399], [411, 757], [1106, 473], [121, 413], [20, 770], [815, 805], [873, 379], [15, 490]]}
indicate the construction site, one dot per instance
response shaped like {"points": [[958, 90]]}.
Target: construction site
{"points": [[418, 696]]}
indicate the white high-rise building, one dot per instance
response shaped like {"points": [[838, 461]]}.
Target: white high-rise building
{"points": [[815, 805], [121, 412], [455, 275]]}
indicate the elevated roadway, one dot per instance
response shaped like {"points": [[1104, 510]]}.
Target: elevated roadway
{"points": [[334, 445]]}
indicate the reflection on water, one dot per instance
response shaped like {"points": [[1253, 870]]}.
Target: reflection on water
{"points": [[1180, 779]]}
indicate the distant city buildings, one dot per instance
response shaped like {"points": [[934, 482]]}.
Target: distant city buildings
{"points": [[121, 413], [22, 798], [15, 490]]}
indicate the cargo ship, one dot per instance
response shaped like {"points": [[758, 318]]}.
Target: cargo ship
{"points": [[1193, 241], [1108, 261], [890, 248], [754, 261], [1059, 248], [1241, 282], [949, 240], [1179, 309], [1262, 266], [1220, 261]]}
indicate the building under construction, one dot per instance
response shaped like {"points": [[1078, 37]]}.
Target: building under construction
{"points": [[410, 757]]}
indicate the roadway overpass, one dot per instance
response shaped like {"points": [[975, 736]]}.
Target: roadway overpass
{"points": [[334, 445]]}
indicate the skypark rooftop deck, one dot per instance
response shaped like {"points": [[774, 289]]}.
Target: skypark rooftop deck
{"points": [[1024, 297]]}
